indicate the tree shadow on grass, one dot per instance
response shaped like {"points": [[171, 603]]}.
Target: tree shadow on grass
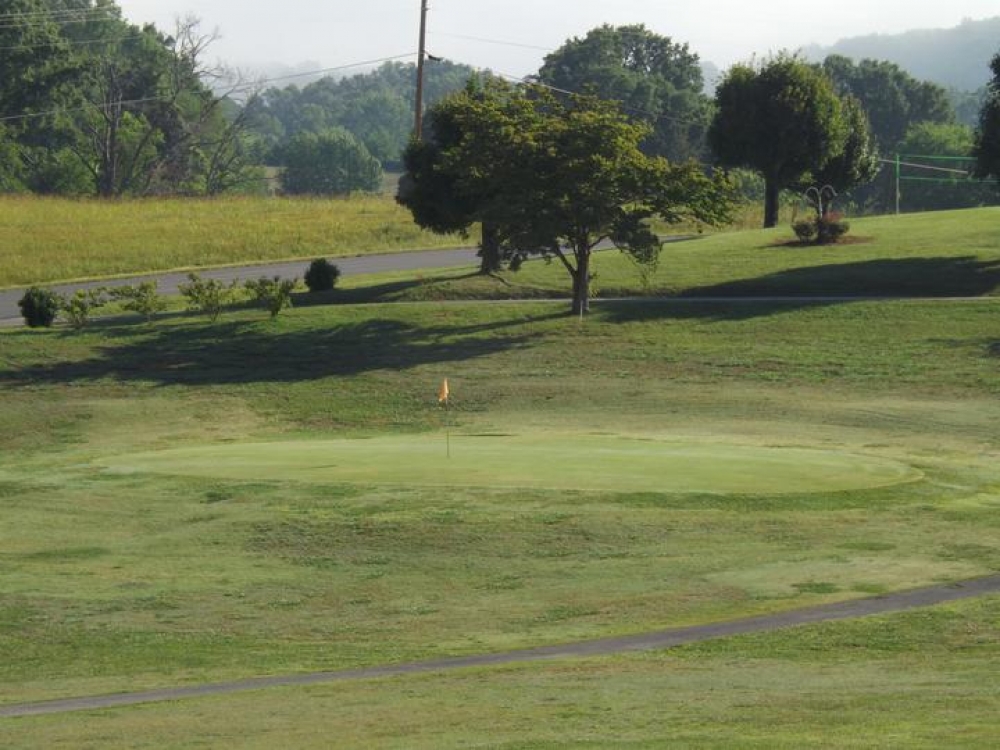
{"points": [[252, 352], [821, 286], [966, 276]]}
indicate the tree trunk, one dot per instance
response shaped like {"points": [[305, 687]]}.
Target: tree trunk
{"points": [[771, 191], [489, 250], [581, 283]]}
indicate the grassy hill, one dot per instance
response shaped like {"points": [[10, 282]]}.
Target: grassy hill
{"points": [[168, 513], [934, 254]]}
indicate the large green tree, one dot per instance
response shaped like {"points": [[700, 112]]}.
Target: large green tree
{"points": [[858, 161], [655, 79], [893, 99], [782, 119], [328, 163], [377, 106], [554, 176], [987, 145], [96, 104]]}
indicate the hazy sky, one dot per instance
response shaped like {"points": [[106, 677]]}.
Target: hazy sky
{"points": [[256, 33]]}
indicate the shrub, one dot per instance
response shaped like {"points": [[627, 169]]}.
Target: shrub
{"points": [[208, 296], [274, 294], [142, 298], [824, 230], [831, 228], [321, 275], [79, 307], [39, 307], [805, 230]]}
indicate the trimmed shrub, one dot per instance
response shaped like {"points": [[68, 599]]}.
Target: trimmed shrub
{"points": [[321, 275], [805, 230], [39, 307], [824, 230], [831, 228], [142, 298], [274, 294], [208, 296], [78, 308]]}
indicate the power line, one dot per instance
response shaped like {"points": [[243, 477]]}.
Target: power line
{"points": [[491, 41]]}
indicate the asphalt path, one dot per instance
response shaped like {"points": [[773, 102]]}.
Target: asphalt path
{"points": [[663, 639], [168, 283]]}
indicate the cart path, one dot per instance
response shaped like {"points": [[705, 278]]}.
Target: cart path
{"points": [[663, 639]]}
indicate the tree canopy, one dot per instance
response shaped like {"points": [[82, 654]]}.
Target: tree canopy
{"points": [[95, 104], [550, 175], [987, 142], [655, 79], [858, 161], [331, 162], [893, 99], [376, 106], [782, 119]]}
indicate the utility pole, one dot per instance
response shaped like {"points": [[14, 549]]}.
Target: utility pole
{"points": [[418, 129]]}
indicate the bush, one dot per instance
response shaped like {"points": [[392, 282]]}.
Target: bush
{"points": [[831, 228], [39, 307], [142, 298], [274, 294], [805, 230], [825, 230], [321, 275], [78, 307], [209, 296]]}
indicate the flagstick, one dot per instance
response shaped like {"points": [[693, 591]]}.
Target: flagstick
{"points": [[447, 429]]}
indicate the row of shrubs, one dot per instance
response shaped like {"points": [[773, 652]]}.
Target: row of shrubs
{"points": [[40, 307]]}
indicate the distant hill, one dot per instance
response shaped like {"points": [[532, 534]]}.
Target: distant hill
{"points": [[955, 58]]}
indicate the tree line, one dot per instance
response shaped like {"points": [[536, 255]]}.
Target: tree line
{"points": [[91, 104]]}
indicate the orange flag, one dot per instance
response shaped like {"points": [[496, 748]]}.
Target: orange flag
{"points": [[443, 392]]}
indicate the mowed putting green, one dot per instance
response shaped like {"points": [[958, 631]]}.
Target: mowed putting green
{"points": [[550, 461]]}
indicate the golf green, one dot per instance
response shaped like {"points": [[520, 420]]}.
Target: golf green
{"points": [[533, 460]]}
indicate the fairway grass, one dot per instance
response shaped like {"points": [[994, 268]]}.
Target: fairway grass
{"points": [[922, 679], [183, 503], [537, 461]]}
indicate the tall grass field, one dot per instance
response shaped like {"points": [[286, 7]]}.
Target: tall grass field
{"points": [[56, 239], [183, 502]]}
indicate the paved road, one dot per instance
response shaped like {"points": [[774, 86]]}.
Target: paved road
{"points": [[10, 314], [663, 639]]}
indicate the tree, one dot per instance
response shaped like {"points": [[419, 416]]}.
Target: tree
{"points": [[783, 120], [328, 163], [858, 161], [552, 176], [987, 143], [377, 106], [102, 106], [893, 99], [438, 197], [655, 79]]}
